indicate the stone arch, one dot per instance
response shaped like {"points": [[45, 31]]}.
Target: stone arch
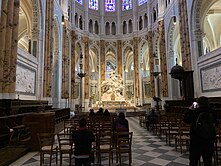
{"points": [[173, 83], [144, 54], [111, 55], [94, 57]]}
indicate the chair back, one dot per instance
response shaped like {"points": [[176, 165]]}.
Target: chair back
{"points": [[65, 143], [46, 139]]}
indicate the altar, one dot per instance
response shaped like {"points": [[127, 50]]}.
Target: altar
{"points": [[112, 94], [118, 104]]}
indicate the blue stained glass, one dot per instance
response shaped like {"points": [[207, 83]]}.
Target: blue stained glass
{"points": [[126, 4], [93, 4], [79, 1], [141, 2], [110, 5]]}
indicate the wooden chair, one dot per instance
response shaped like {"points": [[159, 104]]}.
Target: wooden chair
{"points": [[183, 137], [65, 146], [46, 142], [105, 145], [217, 146], [124, 142]]}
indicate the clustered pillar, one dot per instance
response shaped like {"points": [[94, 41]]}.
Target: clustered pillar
{"points": [[136, 69], [119, 58], [184, 35], [48, 50], [9, 44], [151, 62], [65, 62], [102, 61], [73, 39], [163, 60], [86, 67]]}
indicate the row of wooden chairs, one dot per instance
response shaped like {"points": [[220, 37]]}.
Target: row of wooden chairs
{"points": [[107, 141], [49, 147], [66, 146], [174, 129]]}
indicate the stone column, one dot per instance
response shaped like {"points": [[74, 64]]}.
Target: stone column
{"points": [[0, 8], [102, 61], [65, 64], [119, 58], [14, 47], [184, 35], [136, 69], [151, 62], [135, 17], [48, 52], [102, 23], [163, 59], [73, 39], [119, 13], [2, 37], [8, 46], [86, 20], [86, 67]]}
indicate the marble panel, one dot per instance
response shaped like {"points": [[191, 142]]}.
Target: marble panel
{"points": [[210, 78], [25, 80]]}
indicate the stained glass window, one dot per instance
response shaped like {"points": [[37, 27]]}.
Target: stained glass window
{"points": [[126, 4], [110, 5], [141, 2], [79, 1], [93, 4]]}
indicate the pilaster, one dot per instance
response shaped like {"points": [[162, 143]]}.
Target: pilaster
{"points": [[102, 61], [86, 67], [65, 62], [48, 54], [119, 58], [163, 60], [73, 40], [184, 35], [151, 62], [136, 69]]}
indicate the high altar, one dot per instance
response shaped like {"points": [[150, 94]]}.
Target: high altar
{"points": [[112, 93]]}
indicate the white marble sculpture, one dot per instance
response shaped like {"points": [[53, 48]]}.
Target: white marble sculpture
{"points": [[112, 88]]}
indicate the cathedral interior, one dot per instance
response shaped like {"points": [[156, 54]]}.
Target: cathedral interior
{"points": [[45, 45], [130, 54]]}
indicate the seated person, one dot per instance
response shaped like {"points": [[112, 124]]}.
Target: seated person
{"points": [[106, 113], [91, 112], [151, 119], [83, 139], [121, 123], [100, 112]]}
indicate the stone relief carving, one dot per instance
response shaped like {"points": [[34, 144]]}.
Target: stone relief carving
{"points": [[25, 80], [112, 88], [211, 79]]}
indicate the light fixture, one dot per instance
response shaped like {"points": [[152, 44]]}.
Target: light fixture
{"points": [[174, 16], [62, 20], [174, 20]]}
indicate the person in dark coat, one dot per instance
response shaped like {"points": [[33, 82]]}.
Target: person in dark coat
{"points": [[151, 119], [83, 139], [106, 113], [91, 112], [121, 122], [198, 145], [100, 112]]}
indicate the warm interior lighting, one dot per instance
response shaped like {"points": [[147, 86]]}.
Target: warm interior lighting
{"points": [[62, 20], [174, 20]]}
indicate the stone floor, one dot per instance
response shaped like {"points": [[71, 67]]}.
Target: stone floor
{"points": [[148, 150]]}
